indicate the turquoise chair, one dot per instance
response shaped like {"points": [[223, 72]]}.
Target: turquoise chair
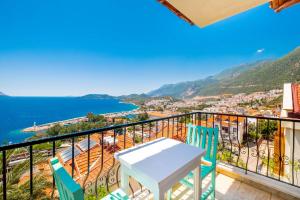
{"points": [[68, 189], [119, 194], [206, 138]]}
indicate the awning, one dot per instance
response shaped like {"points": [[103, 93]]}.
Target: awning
{"points": [[206, 12], [279, 5]]}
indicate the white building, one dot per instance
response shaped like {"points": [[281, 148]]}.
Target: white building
{"points": [[291, 139]]}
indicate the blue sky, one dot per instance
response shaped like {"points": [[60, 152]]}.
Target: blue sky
{"points": [[71, 47]]}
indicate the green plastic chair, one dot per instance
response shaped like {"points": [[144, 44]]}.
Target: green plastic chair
{"points": [[68, 189], [119, 194], [206, 138]]}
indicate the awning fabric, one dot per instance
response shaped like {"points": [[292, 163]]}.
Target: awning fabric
{"points": [[206, 12], [279, 5]]}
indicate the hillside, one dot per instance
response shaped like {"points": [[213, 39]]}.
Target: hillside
{"points": [[97, 96], [2, 94], [194, 88], [236, 71], [134, 96], [183, 89], [258, 76]]}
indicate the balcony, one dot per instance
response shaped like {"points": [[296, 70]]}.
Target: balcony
{"points": [[226, 188], [258, 158]]}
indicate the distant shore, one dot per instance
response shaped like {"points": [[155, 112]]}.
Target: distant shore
{"points": [[44, 127]]}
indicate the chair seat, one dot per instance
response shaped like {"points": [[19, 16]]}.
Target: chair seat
{"points": [[118, 194]]}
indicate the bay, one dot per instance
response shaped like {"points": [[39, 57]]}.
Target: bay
{"points": [[17, 113]]}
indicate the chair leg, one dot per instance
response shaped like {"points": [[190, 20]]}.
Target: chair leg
{"points": [[169, 194], [213, 183]]}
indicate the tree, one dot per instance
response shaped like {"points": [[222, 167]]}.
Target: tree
{"points": [[54, 130], [137, 139], [14, 189], [95, 118], [142, 117], [265, 129], [160, 109], [94, 122]]}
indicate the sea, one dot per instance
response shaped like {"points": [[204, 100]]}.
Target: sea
{"points": [[17, 113]]}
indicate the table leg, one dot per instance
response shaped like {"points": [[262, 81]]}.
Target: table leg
{"points": [[197, 184], [124, 180], [158, 195]]}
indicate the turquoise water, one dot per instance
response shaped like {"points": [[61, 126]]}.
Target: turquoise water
{"points": [[17, 113]]}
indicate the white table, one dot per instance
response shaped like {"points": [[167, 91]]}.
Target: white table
{"points": [[160, 164]]}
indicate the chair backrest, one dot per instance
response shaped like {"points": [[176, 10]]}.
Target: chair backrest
{"points": [[68, 189], [206, 138]]}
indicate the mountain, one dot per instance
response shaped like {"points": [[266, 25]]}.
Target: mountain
{"points": [[194, 88], [2, 94], [137, 99], [236, 71], [97, 96], [183, 89], [258, 76], [134, 96]]}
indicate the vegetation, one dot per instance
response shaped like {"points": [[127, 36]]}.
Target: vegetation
{"points": [[275, 102], [256, 102], [271, 163], [94, 121], [186, 119], [95, 118], [139, 117], [267, 130], [142, 117], [227, 156], [15, 190], [46, 146], [137, 139], [20, 190], [101, 192], [159, 109], [138, 99], [296, 171], [263, 102], [190, 109], [259, 76], [179, 90], [97, 96], [264, 130]]}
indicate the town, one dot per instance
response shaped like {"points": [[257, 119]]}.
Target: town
{"points": [[257, 103]]}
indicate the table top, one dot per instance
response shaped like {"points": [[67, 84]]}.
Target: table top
{"points": [[161, 158]]}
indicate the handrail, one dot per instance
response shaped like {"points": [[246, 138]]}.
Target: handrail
{"points": [[84, 133], [233, 141], [109, 128]]}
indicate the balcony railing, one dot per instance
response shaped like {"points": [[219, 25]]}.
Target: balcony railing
{"points": [[266, 146]]}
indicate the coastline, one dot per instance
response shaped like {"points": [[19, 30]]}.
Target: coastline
{"points": [[46, 126]]}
